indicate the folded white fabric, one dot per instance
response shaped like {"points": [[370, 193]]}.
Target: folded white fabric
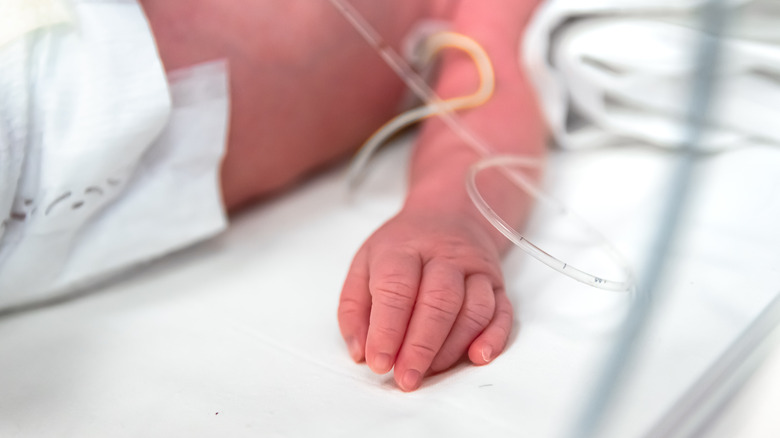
{"points": [[99, 169], [611, 69]]}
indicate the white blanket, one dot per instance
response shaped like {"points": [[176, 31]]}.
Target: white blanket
{"points": [[608, 70], [99, 167]]}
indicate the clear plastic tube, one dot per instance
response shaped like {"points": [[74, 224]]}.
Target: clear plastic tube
{"points": [[504, 162], [433, 45], [445, 110]]}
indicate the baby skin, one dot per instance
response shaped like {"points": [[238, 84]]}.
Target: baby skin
{"points": [[426, 288]]}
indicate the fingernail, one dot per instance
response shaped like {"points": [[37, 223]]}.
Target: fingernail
{"points": [[354, 349], [382, 363], [487, 353], [411, 380]]}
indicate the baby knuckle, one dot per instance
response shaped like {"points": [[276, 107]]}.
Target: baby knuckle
{"points": [[504, 326], [443, 302], [436, 313], [394, 293], [505, 314], [350, 306], [422, 350], [477, 317], [504, 331], [388, 332]]}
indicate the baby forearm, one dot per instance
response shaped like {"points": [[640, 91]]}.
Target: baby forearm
{"points": [[509, 123]]}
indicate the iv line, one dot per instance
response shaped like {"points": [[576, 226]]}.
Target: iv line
{"points": [[433, 44], [445, 110]]}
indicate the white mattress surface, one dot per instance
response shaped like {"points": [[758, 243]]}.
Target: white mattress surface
{"points": [[238, 335]]}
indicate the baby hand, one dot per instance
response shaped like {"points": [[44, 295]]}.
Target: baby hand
{"points": [[422, 291]]}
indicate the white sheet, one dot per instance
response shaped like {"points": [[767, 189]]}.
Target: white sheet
{"points": [[238, 336]]}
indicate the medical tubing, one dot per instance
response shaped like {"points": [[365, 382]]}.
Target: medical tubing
{"points": [[504, 161], [445, 110], [407, 74], [433, 45]]}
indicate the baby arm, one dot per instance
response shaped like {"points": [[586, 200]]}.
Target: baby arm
{"points": [[427, 287]]}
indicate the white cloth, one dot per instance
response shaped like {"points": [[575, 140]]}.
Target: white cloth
{"points": [[607, 70], [238, 337], [100, 167]]}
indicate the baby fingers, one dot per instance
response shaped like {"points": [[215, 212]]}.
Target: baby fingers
{"points": [[438, 304], [477, 312], [493, 339], [355, 307], [398, 312], [393, 283]]}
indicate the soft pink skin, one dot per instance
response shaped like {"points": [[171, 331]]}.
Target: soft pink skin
{"points": [[426, 288], [306, 89]]}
